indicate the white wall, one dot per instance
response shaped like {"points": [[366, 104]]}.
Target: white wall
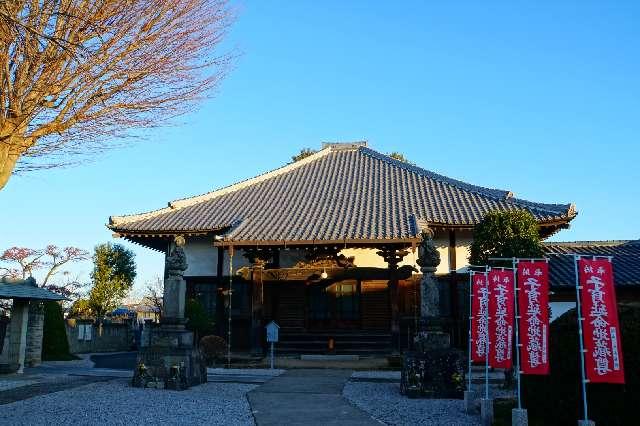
{"points": [[202, 256], [463, 246]]}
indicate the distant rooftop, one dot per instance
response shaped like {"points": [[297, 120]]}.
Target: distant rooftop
{"points": [[625, 259], [347, 192]]}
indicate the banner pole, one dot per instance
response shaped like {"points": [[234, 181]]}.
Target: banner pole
{"points": [[486, 405], [231, 250], [517, 328], [581, 339], [486, 352], [470, 322]]}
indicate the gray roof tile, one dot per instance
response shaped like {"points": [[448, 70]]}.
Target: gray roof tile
{"points": [[626, 261], [24, 289], [346, 192]]}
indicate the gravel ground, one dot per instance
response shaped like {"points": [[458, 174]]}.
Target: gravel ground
{"points": [[12, 384], [384, 402], [246, 371], [117, 403]]}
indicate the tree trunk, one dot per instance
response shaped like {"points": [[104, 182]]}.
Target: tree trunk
{"points": [[8, 160], [12, 146]]}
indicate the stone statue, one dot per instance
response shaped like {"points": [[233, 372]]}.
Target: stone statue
{"points": [[428, 255], [429, 259], [176, 262], [171, 359], [433, 369]]}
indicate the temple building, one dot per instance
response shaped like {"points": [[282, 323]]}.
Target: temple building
{"points": [[325, 246]]}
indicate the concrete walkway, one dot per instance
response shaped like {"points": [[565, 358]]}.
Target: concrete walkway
{"points": [[306, 397]]}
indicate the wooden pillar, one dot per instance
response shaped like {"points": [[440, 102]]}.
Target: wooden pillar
{"points": [[258, 260], [220, 298], [393, 256], [453, 288]]}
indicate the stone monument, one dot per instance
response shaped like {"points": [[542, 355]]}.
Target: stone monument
{"points": [[434, 369], [171, 359]]}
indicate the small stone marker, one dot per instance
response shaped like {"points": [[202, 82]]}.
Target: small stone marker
{"points": [[272, 336]]}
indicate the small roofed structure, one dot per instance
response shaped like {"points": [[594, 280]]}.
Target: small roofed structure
{"points": [[24, 332]]}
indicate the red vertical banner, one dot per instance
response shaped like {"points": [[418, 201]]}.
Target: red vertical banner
{"points": [[479, 311], [601, 330], [533, 307], [501, 307]]}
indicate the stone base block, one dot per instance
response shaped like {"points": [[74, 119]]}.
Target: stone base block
{"points": [[433, 374], [486, 411], [170, 362], [519, 417], [470, 402], [586, 423]]}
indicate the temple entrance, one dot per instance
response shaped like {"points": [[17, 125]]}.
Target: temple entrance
{"points": [[336, 306]]}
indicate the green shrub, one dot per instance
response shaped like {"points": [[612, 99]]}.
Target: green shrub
{"points": [[512, 233], [213, 348], [556, 399], [55, 346], [198, 320]]}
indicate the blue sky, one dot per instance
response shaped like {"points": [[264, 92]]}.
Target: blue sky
{"points": [[540, 98]]}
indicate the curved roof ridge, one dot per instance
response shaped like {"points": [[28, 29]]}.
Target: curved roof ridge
{"points": [[189, 201], [580, 243], [497, 194], [184, 202], [500, 194], [546, 207]]}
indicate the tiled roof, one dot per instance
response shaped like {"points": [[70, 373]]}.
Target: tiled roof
{"points": [[626, 260], [343, 192], [25, 289]]}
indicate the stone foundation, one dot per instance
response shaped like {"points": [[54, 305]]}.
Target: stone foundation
{"points": [[437, 373], [170, 361]]}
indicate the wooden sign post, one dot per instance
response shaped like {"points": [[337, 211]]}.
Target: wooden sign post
{"points": [[272, 336]]}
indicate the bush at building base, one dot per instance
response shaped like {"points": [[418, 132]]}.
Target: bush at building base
{"points": [[55, 346], [213, 349], [557, 399], [198, 320]]}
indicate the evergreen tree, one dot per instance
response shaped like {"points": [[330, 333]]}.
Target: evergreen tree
{"points": [[511, 233], [114, 270], [55, 346]]}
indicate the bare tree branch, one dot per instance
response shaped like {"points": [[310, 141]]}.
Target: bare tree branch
{"points": [[51, 260], [79, 76]]}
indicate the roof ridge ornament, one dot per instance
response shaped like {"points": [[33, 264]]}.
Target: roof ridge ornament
{"points": [[344, 146]]}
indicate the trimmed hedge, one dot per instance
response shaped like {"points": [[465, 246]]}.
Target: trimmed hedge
{"points": [[55, 346], [557, 399]]}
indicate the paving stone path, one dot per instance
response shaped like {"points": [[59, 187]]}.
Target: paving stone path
{"points": [[306, 397], [44, 387]]}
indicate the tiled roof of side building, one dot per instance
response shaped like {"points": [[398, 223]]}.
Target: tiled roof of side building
{"points": [[625, 257], [25, 289], [343, 192]]}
